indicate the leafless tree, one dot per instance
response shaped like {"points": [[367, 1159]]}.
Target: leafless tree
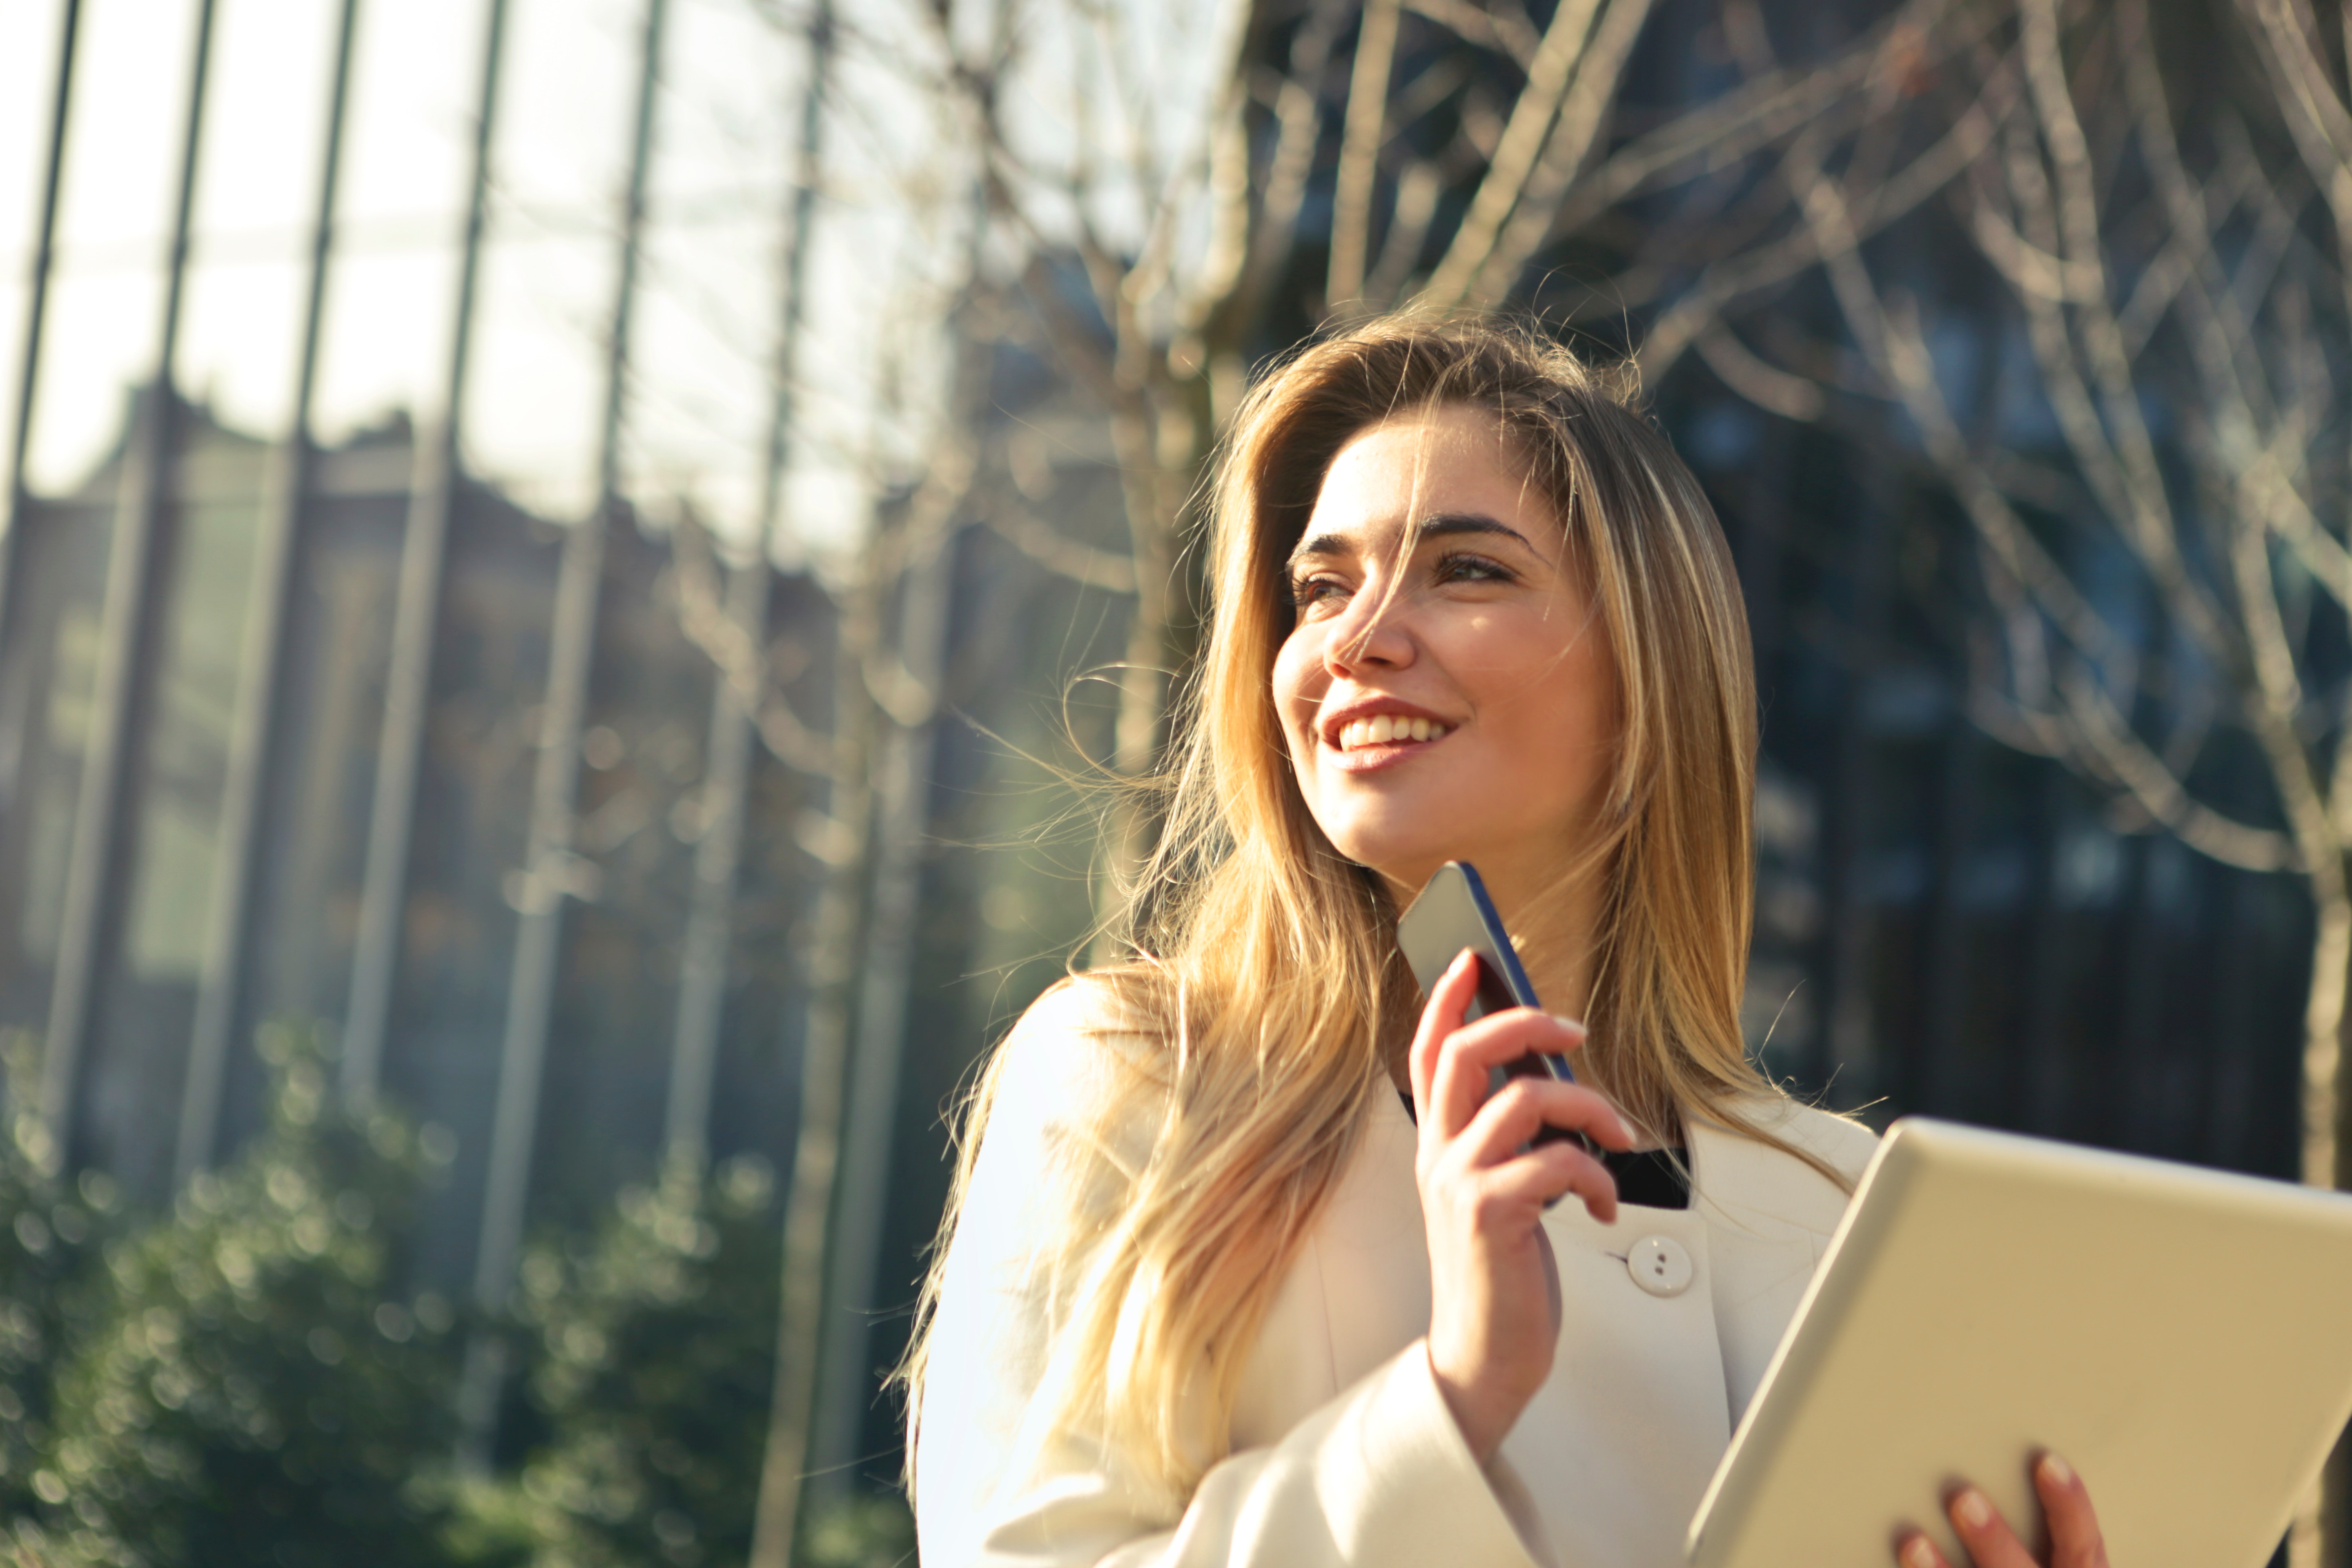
{"points": [[1190, 243], [2196, 288], [2200, 265]]}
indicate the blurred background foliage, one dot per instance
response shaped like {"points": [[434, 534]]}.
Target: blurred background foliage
{"points": [[654, 1344], [241, 1382], [245, 1376]]}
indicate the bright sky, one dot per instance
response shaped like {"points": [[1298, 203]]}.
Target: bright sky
{"points": [[707, 312]]}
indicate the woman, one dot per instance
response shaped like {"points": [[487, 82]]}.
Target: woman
{"points": [[1245, 1264]]}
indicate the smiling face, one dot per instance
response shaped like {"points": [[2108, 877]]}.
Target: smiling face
{"points": [[1448, 691]]}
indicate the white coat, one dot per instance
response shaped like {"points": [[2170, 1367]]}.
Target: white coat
{"points": [[1342, 1448]]}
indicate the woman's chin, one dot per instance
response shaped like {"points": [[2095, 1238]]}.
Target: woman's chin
{"points": [[1406, 870], [1406, 842]]}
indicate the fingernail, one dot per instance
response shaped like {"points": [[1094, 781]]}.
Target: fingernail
{"points": [[1571, 1025], [1971, 1509], [2059, 1471], [1918, 1553], [1625, 1131]]}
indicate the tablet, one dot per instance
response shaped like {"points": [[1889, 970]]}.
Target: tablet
{"points": [[2183, 1337]]}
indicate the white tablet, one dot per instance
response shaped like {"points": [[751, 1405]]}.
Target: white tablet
{"points": [[2182, 1336]]}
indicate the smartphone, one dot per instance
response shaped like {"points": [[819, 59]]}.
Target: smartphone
{"points": [[1454, 912]]}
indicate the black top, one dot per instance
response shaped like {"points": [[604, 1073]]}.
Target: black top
{"points": [[1653, 1178]]}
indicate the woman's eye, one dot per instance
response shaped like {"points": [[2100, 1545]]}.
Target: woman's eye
{"points": [[1308, 590], [1470, 569]]}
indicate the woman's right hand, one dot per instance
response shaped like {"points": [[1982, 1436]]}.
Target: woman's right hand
{"points": [[1493, 1285]]}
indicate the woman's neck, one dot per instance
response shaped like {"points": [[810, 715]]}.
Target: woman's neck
{"points": [[1555, 925]]}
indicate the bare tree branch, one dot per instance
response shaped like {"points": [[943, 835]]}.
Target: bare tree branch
{"points": [[1299, 119], [1766, 385], [1508, 36], [1057, 552], [702, 615], [1565, 152], [1360, 147], [2223, 335], [1730, 279], [1514, 160], [1419, 188], [1775, 103], [2109, 746]]}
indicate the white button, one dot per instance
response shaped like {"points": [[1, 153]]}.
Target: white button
{"points": [[1660, 1264]]}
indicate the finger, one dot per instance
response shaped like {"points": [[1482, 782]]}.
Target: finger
{"points": [[1589, 1180], [1448, 1000], [1526, 1106], [2075, 1538], [1500, 1038], [1991, 1542], [1537, 1177], [1913, 1550], [1467, 1057]]}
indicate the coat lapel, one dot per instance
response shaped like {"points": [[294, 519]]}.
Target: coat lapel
{"points": [[1618, 1446], [1768, 1220]]}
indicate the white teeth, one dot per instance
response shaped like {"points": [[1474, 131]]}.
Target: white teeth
{"points": [[1384, 728]]}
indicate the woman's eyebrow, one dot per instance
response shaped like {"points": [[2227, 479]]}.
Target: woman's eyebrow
{"points": [[1321, 544], [1451, 522], [1438, 526]]}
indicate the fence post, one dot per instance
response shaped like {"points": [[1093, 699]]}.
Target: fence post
{"points": [[228, 933], [15, 685], [719, 856], [416, 620], [104, 831], [538, 944]]}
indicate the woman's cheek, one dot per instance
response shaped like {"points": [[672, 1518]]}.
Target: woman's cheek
{"points": [[1296, 698]]}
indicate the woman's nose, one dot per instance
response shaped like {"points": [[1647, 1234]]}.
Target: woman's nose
{"points": [[1371, 631]]}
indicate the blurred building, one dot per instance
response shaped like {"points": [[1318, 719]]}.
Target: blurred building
{"points": [[642, 810]]}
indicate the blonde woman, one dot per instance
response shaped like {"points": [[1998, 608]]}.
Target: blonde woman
{"points": [[1245, 1265]]}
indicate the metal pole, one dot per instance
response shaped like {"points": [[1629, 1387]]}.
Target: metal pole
{"points": [[228, 936], [555, 793], [718, 860], [816, 1145], [416, 618], [14, 704], [831, 984], [902, 802], [103, 825]]}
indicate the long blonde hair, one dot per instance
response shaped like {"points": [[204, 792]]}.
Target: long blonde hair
{"points": [[1266, 990]]}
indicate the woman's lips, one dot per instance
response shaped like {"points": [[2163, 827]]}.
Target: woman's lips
{"points": [[1382, 727], [1367, 745]]}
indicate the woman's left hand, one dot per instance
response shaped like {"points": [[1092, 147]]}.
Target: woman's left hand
{"points": [[2075, 1539]]}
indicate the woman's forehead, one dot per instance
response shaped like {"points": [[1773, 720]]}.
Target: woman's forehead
{"points": [[1454, 462]]}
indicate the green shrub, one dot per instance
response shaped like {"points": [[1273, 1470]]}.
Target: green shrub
{"points": [[249, 1392], [52, 1233], [235, 1383], [653, 1350], [861, 1532]]}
